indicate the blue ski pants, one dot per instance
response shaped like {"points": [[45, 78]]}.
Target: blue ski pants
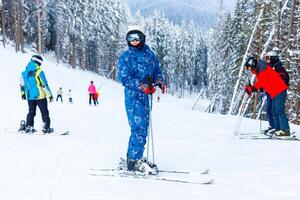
{"points": [[278, 111], [137, 109]]}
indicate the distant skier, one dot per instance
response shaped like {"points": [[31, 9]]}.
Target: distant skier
{"points": [[137, 66], [34, 88], [70, 96], [59, 95], [96, 96], [92, 92], [273, 78]]}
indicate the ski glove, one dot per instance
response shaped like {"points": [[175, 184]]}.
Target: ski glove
{"points": [[147, 90], [23, 96], [249, 89], [51, 98], [161, 85]]}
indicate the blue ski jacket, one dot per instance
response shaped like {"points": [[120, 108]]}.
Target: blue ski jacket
{"points": [[134, 66], [34, 83]]}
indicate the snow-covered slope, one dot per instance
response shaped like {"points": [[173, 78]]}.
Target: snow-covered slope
{"points": [[34, 167]]}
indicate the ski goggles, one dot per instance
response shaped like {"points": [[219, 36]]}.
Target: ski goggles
{"points": [[134, 37]]}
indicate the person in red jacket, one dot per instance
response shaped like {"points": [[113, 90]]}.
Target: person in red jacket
{"points": [[273, 81]]}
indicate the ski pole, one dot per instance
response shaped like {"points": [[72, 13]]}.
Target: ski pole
{"points": [[237, 127], [240, 113], [150, 129], [106, 77], [260, 111]]}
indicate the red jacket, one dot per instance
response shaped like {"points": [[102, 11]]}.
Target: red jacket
{"points": [[270, 81]]}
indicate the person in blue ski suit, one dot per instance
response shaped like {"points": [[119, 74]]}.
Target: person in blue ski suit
{"points": [[136, 67], [34, 88]]}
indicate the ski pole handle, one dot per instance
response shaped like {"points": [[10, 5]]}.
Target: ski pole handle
{"points": [[150, 85]]}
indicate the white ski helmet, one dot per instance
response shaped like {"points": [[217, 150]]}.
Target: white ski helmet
{"points": [[272, 54], [135, 28], [273, 57]]}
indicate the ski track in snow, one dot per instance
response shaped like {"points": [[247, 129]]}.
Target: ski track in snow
{"points": [[58, 168]]}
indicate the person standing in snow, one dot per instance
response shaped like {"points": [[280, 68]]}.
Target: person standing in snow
{"points": [[92, 92], [96, 96], [137, 67], [273, 78], [70, 96], [34, 88], [59, 95]]}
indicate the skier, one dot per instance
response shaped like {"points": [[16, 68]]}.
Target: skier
{"points": [[34, 88], [59, 95], [70, 96], [273, 78], [92, 92], [96, 96], [138, 66]]}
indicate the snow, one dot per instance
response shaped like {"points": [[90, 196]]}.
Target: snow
{"points": [[35, 167]]}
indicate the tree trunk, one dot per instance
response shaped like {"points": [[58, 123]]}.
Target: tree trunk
{"points": [[57, 44], [277, 34], [290, 31], [3, 24], [20, 28], [16, 11], [39, 33]]}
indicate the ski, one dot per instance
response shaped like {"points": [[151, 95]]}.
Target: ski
{"points": [[184, 172], [125, 174], [268, 137], [38, 132], [159, 171]]}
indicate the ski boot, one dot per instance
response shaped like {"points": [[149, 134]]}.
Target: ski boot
{"points": [[143, 167], [152, 165], [283, 134], [22, 126], [269, 132], [47, 130], [30, 129], [130, 165]]}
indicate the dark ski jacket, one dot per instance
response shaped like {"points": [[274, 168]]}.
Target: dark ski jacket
{"points": [[281, 71]]}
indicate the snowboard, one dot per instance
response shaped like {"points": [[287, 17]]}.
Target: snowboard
{"points": [[38, 132]]}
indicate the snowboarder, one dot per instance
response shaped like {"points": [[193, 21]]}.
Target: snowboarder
{"points": [[34, 88], [92, 92], [70, 96], [137, 66], [59, 95], [273, 78]]}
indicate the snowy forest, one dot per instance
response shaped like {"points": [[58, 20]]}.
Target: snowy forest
{"points": [[90, 35]]}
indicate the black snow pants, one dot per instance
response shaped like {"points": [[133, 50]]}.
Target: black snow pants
{"points": [[43, 106]]}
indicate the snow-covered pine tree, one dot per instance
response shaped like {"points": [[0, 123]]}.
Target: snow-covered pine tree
{"points": [[159, 39]]}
